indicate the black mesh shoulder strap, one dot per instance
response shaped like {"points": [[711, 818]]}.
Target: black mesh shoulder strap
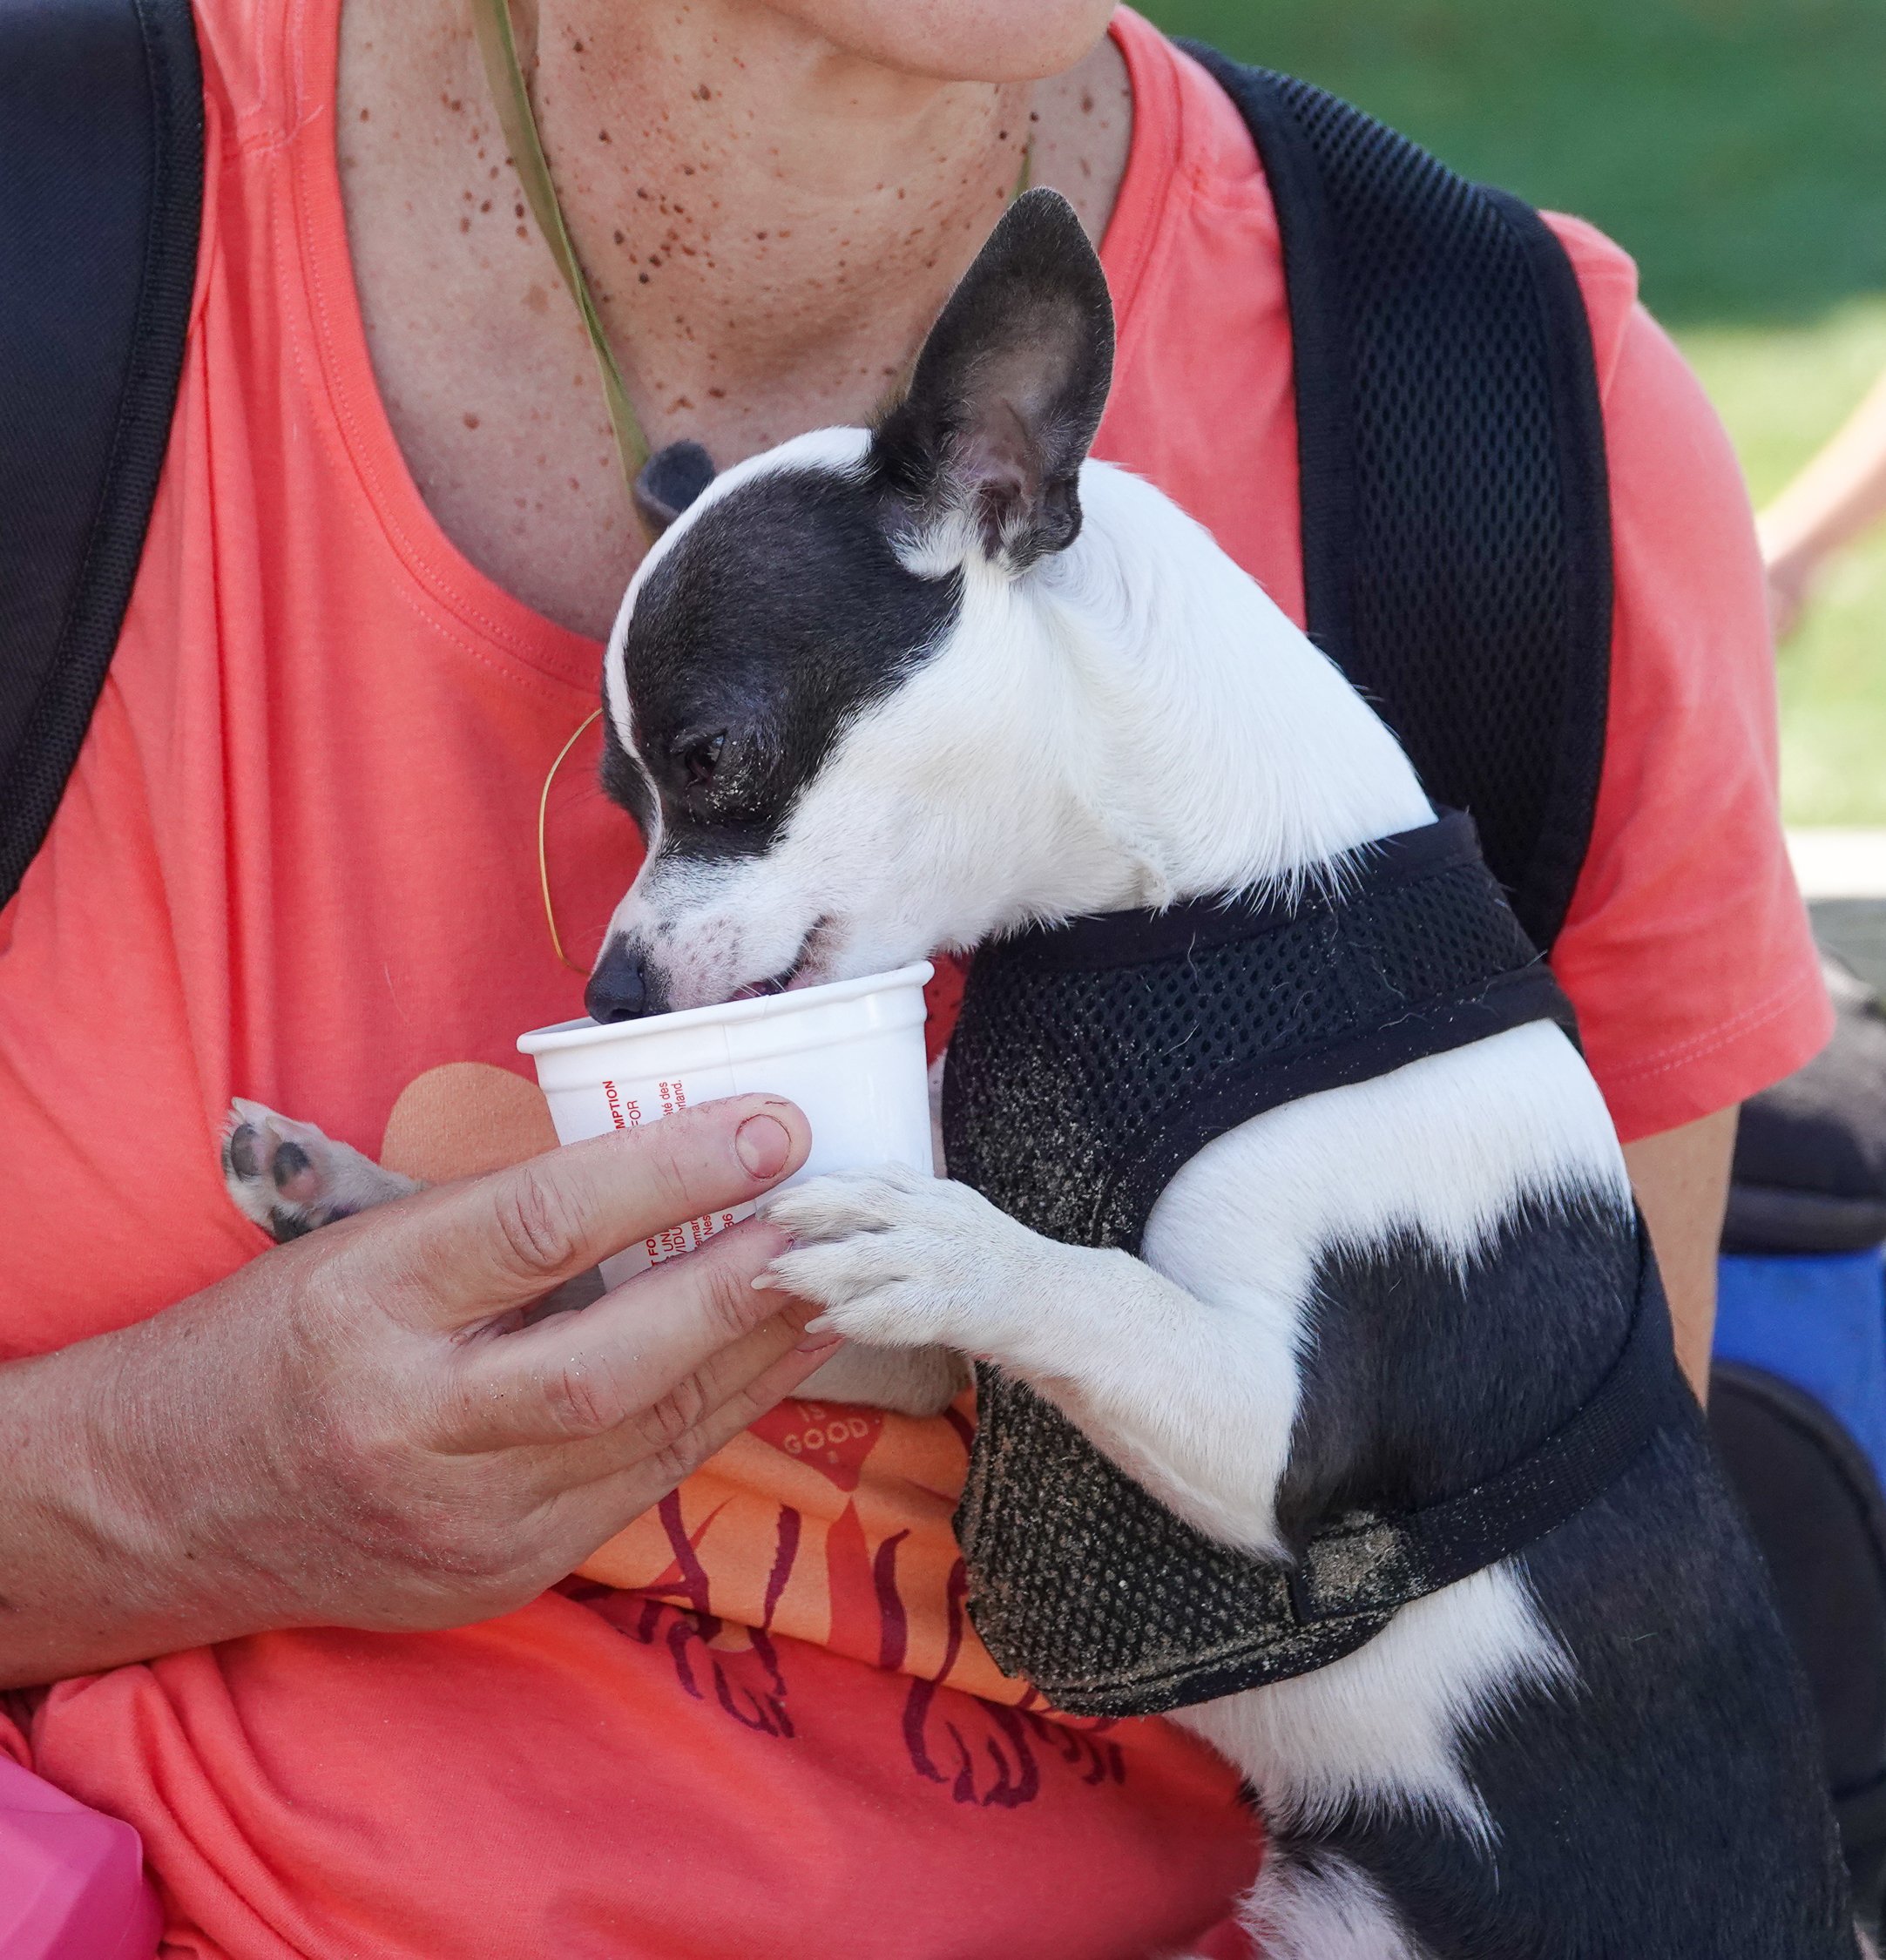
{"points": [[101, 187], [1456, 529]]}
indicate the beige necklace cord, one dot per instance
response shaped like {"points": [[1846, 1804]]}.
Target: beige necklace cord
{"points": [[497, 43], [543, 853], [511, 99]]}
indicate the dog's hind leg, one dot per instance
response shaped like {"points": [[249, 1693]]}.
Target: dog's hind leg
{"points": [[289, 1178]]}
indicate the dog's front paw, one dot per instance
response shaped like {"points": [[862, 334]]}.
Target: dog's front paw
{"points": [[289, 1178], [899, 1260]]}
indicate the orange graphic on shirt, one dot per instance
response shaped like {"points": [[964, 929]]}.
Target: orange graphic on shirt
{"points": [[830, 1524], [824, 1522]]}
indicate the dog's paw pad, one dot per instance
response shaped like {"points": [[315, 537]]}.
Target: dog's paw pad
{"points": [[289, 1178]]}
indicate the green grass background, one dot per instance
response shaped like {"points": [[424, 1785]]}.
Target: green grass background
{"points": [[1738, 149]]}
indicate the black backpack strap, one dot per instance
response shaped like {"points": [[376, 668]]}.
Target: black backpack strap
{"points": [[101, 190], [1456, 526]]}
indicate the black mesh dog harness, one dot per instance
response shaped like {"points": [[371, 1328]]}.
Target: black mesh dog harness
{"points": [[1090, 1061]]}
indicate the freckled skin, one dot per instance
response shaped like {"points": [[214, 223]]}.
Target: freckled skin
{"points": [[770, 219]]}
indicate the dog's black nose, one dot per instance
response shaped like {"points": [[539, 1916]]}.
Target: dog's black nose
{"points": [[618, 989]]}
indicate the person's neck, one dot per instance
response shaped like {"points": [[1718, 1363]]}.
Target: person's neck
{"points": [[769, 224], [798, 214]]}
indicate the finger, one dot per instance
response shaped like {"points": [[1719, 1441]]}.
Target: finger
{"points": [[469, 1251], [624, 1490], [576, 1376], [701, 1414]]}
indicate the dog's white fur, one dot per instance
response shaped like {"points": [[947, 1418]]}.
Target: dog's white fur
{"points": [[1092, 736], [1336, 1912], [1133, 723], [1382, 1727], [1126, 721]]}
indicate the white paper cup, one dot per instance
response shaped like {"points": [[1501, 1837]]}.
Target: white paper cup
{"points": [[849, 1054]]}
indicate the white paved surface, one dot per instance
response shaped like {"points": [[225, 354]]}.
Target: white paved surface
{"points": [[1839, 863]]}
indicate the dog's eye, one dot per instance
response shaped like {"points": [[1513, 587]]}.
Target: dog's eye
{"points": [[700, 759]]}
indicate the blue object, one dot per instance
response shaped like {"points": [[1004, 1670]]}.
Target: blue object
{"points": [[1817, 1319]]}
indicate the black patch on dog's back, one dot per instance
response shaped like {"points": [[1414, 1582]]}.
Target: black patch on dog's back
{"points": [[779, 615], [1412, 1391], [1672, 1786], [1666, 1804]]}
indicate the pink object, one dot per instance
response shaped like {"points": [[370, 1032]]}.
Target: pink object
{"points": [[71, 1880]]}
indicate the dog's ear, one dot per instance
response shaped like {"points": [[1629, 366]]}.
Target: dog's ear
{"points": [[1008, 391]]}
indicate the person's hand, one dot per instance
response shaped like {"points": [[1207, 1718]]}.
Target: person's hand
{"points": [[1791, 577], [1837, 497], [363, 1428]]}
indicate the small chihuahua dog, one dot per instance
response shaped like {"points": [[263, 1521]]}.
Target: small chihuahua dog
{"points": [[880, 693]]}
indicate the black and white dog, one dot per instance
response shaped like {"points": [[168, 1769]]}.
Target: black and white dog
{"points": [[881, 692]]}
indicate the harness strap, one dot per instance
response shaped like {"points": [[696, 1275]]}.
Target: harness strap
{"points": [[1103, 941], [1092, 1060], [1082, 1583], [1404, 949], [1145, 1166], [1358, 1568]]}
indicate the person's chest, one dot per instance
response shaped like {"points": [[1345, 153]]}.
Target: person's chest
{"points": [[299, 860], [732, 328]]}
